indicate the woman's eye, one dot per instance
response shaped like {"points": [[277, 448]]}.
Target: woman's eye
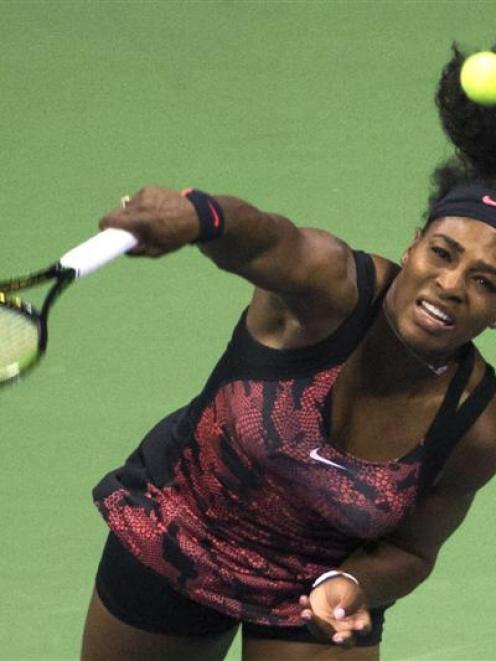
{"points": [[486, 284], [441, 252]]}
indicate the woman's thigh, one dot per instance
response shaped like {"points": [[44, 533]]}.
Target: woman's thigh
{"points": [[106, 638], [255, 649]]}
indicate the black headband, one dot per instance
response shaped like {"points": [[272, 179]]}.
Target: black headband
{"points": [[475, 201]]}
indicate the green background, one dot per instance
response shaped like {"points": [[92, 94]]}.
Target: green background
{"points": [[322, 111]]}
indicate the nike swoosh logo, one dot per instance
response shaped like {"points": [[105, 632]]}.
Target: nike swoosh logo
{"points": [[487, 199], [214, 214], [314, 454]]}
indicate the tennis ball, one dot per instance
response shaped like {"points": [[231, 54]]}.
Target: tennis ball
{"points": [[478, 78]]}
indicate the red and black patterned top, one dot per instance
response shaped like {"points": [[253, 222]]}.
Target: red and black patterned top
{"points": [[240, 498]]}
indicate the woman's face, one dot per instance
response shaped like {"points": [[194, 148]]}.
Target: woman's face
{"points": [[445, 295]]}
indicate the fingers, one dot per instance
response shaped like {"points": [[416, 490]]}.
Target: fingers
{"points": [[325, 633], [124, 216], [335, 625], [304, 601], [320, 634], [137, 222], [359, 624], [161, 219], [363, 623], [121, 218], [360, 620], [344, 639]]}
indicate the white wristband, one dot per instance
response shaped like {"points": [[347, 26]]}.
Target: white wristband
{"points": [[333, 573]]}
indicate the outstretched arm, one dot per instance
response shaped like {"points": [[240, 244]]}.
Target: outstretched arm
{"points": [[265, 248]]}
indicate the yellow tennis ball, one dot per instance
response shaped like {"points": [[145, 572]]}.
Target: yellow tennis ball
{"points": [[478, 78]]}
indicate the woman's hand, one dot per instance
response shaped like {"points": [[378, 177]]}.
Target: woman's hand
{"points": [[161, 219], [337, 609]]}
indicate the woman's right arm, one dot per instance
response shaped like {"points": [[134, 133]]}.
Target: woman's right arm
{"points": [[310, 271]]}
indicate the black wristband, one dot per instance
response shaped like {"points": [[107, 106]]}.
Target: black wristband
{"points": [[210, 215]]}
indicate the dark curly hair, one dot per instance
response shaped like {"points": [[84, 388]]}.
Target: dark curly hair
{"points": [[470, 127]]}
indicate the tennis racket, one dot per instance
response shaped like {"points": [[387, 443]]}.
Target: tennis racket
{"points": [[23, 329]]}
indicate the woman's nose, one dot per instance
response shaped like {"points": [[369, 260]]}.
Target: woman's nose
{"points": [[451, 283]]}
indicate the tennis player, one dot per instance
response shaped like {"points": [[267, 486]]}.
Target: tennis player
{"points": [[339, 441]]}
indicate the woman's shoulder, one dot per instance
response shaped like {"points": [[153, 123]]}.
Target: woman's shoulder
{"points": [[483, 431], [385, 272], [473, 462]]}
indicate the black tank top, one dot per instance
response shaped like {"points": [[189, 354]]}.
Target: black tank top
{"points": [[240, 499]]}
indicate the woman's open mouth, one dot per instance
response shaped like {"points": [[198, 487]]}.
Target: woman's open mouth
{"points": [[432, 316]]}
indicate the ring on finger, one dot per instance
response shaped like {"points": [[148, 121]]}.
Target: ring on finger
{"points": [[125, 199]]}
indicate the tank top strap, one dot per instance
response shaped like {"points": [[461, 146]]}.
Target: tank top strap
{"points": [[261, 361], [472, 408], [365, 282], [453, 419], [456, 388], [354, 327]]}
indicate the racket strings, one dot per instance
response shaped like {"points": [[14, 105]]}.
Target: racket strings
{"points": [[19, 337]]}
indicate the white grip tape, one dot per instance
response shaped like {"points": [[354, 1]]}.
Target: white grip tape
{"points": [[97, 251]]}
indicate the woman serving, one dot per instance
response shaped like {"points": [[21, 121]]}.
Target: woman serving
{"points": [[339, 441]]}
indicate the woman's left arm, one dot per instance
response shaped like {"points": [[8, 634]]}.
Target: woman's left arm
{"points": [[400, 562], [387, 569], [394, 566]]}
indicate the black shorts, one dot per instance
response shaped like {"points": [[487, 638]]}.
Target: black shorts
{"points": [[138, 596]]}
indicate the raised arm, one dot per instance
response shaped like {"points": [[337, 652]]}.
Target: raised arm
{"points": [[309, 270]]}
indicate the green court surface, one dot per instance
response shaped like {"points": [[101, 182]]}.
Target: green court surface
{"points": [[322, 111]]}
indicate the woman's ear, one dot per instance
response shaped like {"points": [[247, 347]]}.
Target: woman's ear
{"points": [[419, 233]]}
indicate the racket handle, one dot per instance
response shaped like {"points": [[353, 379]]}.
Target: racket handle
{"points": [[97, 251]]}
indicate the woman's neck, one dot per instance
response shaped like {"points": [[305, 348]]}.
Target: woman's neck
{"points": [[389, 364]]}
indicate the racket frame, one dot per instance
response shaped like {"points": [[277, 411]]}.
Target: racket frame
{"points": [[80, 261], [64, 277]]}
